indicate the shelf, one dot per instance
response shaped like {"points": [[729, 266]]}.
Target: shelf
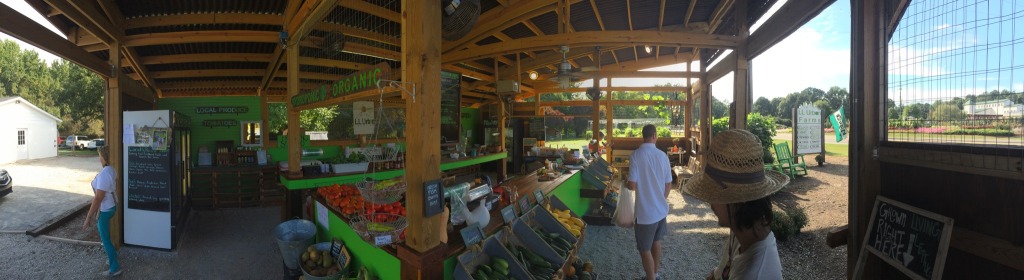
{"points": [[298, 183]]}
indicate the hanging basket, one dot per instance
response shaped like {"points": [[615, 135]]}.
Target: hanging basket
{"points": [[380, 229], [380, 154], [382, 192]]}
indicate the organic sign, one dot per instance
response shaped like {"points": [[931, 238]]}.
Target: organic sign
{"points": [[808, 130], [913, 240], [355, 82], [432, 198], [222, 110], [147, 187], [362, 117], [220, 123]]}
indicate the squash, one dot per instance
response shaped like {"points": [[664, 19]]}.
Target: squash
{"points": [[570, 272]]}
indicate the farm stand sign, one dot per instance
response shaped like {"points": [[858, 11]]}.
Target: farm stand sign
{"points": [[222, 110], [355, 82]]}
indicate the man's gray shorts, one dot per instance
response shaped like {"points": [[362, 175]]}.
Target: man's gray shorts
{"points": [[647, 234]]}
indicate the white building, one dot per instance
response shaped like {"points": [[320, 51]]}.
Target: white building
{"points": [[1002, 107], [26, 132]]}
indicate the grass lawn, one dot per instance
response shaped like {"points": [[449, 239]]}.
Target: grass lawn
{"points": [[568, 143], [76, 153], [831, 149]]}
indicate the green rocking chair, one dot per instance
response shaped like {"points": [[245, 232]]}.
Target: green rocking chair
{"points": [[789, 164]]}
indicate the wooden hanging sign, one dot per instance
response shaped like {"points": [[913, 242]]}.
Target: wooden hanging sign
{"points": [[355, 82]]}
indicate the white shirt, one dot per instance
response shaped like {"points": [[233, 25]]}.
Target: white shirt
{"points": [[650, 170], [760, 261], [106, 181]]}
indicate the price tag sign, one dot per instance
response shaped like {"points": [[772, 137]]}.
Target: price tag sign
{"points": [[321, 216], [508, 214], [336, 248], [432, 198], [472, 234], [381, 240], [524, 205], [539, 195]]}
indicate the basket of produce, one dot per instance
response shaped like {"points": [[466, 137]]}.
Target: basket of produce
{"points": [[536, 265], [318, 263], [344, 199], [380, 229], [382, 192], [492, 261]]}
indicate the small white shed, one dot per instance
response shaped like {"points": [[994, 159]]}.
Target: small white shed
{"points": [[26, 132]]}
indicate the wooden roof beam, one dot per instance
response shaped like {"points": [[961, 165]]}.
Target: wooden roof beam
{"points": [[297, 27], [116, 18], [206, 18], [790, 17], [80, 19], [597, 38], [501, 36], [629, 16], [689, 13], [718, 16], [604, 102], [584, 89], [501, 18], [21, 27], [597, 14]]}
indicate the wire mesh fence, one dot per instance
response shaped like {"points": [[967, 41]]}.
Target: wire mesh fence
{"points": [[956, 74]]}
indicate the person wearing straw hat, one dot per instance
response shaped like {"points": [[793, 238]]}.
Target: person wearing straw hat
{"points": [[738, 189], [650, 176]]}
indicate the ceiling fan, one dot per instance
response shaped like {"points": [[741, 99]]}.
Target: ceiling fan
{"points": [[566, 77], [332, 44]]}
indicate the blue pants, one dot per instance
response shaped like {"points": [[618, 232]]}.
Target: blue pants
{"points": [[104, 227]]}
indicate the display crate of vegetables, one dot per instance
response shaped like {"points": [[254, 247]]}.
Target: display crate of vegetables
{"points": [[353, 163], [539, 267], [491, 261]]}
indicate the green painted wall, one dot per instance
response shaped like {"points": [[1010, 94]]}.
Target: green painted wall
{"points": [[569, 193], [378, 262], [470, 122], [205, 136]]}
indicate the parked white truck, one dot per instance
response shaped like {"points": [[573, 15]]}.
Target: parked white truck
{"points": [[83, 143]]}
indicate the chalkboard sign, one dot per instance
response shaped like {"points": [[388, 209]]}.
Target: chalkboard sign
{"points": [[524, 205], [913, 240], [508, 214], [539, 195], [148, 184], [451, 106], [432, 197], [472, 234]]}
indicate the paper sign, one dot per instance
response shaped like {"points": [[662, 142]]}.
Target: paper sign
{"points": [[539, 195], [321, 216], [808, 130], [362, 117], [128, 134], [381, 240], [508, 214]]}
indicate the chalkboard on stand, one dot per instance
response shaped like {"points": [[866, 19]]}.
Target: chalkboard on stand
{"points": [[913, 240], [451, 107], [148, 184]]}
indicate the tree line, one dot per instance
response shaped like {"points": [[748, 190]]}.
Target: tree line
{"points": [[61, 88]]}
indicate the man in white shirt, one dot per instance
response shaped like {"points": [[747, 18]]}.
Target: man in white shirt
{"points": [[650, 176]]}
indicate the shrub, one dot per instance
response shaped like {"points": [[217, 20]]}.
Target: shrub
{"points": [[788, 223], [782, 225], [663, 132], [761, 126], [981, 132]]}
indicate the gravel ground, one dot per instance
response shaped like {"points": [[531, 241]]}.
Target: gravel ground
{"points": [[221, 244], [691, 248], [62, 173]]}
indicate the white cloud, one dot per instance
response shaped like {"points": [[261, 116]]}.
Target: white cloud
{"points": [[943, 26], [802, 60]]}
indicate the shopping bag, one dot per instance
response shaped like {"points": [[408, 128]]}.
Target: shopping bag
{"points": [[624, 211]]}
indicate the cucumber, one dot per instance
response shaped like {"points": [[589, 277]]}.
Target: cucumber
{"points": [[480, 275], [500, 263], [486, 269]]}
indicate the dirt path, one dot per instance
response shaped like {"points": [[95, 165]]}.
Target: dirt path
{"points": [[693, 243]]}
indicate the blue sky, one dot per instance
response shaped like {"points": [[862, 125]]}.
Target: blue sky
{"points": [[816, 55]]}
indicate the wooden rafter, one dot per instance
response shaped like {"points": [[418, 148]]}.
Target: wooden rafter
{"points": [[629, 16], [600, 22], [718, 16], [597, 38], [661, 15], [297, 26], [501, 18], [19, 26], [501, 36], [689, 13], [116, 18], [205, 18], [80, 19]]}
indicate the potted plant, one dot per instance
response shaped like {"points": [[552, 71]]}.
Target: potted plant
{"points": [[820, 158]]}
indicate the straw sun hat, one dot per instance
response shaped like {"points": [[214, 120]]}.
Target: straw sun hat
{"points": [[734, 171]]}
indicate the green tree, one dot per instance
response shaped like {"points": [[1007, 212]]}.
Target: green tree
{"points": [[761, 126], [718, 108], [764, 107], [946, 112]]}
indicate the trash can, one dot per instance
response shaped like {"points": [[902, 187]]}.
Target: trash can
{"points": [[293, 237]]}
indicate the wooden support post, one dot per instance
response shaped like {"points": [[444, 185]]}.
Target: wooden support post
{"points": [[264, 119], [112, 108], [421, 255], [688, 111], [294, 127], [705, 112], [741, 75], [597, 97], [867, 74]]}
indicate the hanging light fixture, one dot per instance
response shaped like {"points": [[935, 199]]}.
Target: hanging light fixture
{"points": [[647, 48], [534, 75]]}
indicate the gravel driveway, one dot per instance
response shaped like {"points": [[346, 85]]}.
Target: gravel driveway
{"points": [[45, 189]]}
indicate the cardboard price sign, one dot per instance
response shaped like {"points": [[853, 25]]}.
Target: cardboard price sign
{"points": [[472, 234], [508, 214], [913, 240]]}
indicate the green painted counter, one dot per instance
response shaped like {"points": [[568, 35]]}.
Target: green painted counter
{"points": [[377, 261], [304, 183]]}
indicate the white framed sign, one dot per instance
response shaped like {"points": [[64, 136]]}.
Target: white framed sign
{"points": [[362, 117], [807, 129]]}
